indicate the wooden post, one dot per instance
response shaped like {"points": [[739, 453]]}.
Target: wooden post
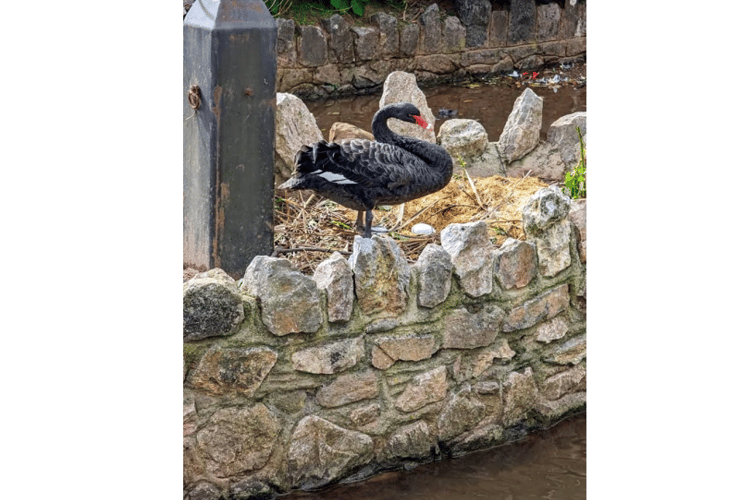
{"points": [[229, 77]]}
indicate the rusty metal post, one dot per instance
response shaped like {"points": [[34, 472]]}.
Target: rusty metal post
{"points": [[229, 76]]}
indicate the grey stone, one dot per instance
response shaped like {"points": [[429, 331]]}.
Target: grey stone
{"points": [[541, 308], [484, 56], [545, 208], [553, 249], [328, 74], [570, 352], [289, 300], [369, 75], [544, 162], [461, 413], [544, 221], [472, 256], [295, 127], [431, 28], [349, 388], [475, 15], [321, 452], [487, 387], [312, 46], [383, 325], [341, 45], [563, 383], [520, 395], [454, 34], [389, 350], [423, 389], [290, 78], [366, 42], [476, 36], [238, 439], [212, 306], [563, 135], [554, 409], [189, 417], [522, 21], [403, 87], [382, 275], [498, 28], [339, 131], [241, 370], [409, 37], [288, 402], [434, 269], [365, 414], [411, 441], [547, 23], [431, 65], [486, 165], [251, 489], [551, 330], [572, 20], [286, 53], [484, 359], [466, 330], [388, 34], [334, 276], [462, 138], [578, 216], [329, 358], [516, 264], [522, 128], [204, 491]]}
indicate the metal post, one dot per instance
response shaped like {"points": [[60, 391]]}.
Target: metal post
{"points": [[229, 77]]}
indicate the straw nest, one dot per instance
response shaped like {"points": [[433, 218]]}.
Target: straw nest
{"points": [[309, 228]]}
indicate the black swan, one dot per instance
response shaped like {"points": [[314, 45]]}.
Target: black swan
{"points": [[361, 174]]}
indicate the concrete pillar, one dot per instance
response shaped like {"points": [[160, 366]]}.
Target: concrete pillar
{"points": [[229, 75]]}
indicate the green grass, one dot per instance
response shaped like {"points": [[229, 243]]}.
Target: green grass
{"points": [[575, 179]]}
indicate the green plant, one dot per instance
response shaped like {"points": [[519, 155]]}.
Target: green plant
{"points": [[278, 8], [574, 180], [357, 6], [341, 224]]}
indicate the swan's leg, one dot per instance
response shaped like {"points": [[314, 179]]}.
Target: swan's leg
{"points": [[359, 221], [367, 230]]}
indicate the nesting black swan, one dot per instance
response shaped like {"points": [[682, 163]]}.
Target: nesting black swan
{"points": [[361, 174]]}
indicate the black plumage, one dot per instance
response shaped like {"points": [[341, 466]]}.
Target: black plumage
{"points": [[361, 174]]}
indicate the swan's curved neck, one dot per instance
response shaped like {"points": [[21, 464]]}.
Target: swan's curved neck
{"points": [[381, 132], [428, 152]]}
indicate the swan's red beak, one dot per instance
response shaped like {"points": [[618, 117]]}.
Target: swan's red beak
{"points": [[420, 121]]}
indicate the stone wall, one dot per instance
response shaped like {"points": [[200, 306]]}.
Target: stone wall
{"points": [[338, 58], [292, 381]]}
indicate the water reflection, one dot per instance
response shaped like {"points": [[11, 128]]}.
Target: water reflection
{"points": [[547, 465]]}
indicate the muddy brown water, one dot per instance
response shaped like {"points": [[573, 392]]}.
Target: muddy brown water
{"points": [[547, 465], [486, 102]]}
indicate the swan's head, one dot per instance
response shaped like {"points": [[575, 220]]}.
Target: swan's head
{"points": [[410, 113]]}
